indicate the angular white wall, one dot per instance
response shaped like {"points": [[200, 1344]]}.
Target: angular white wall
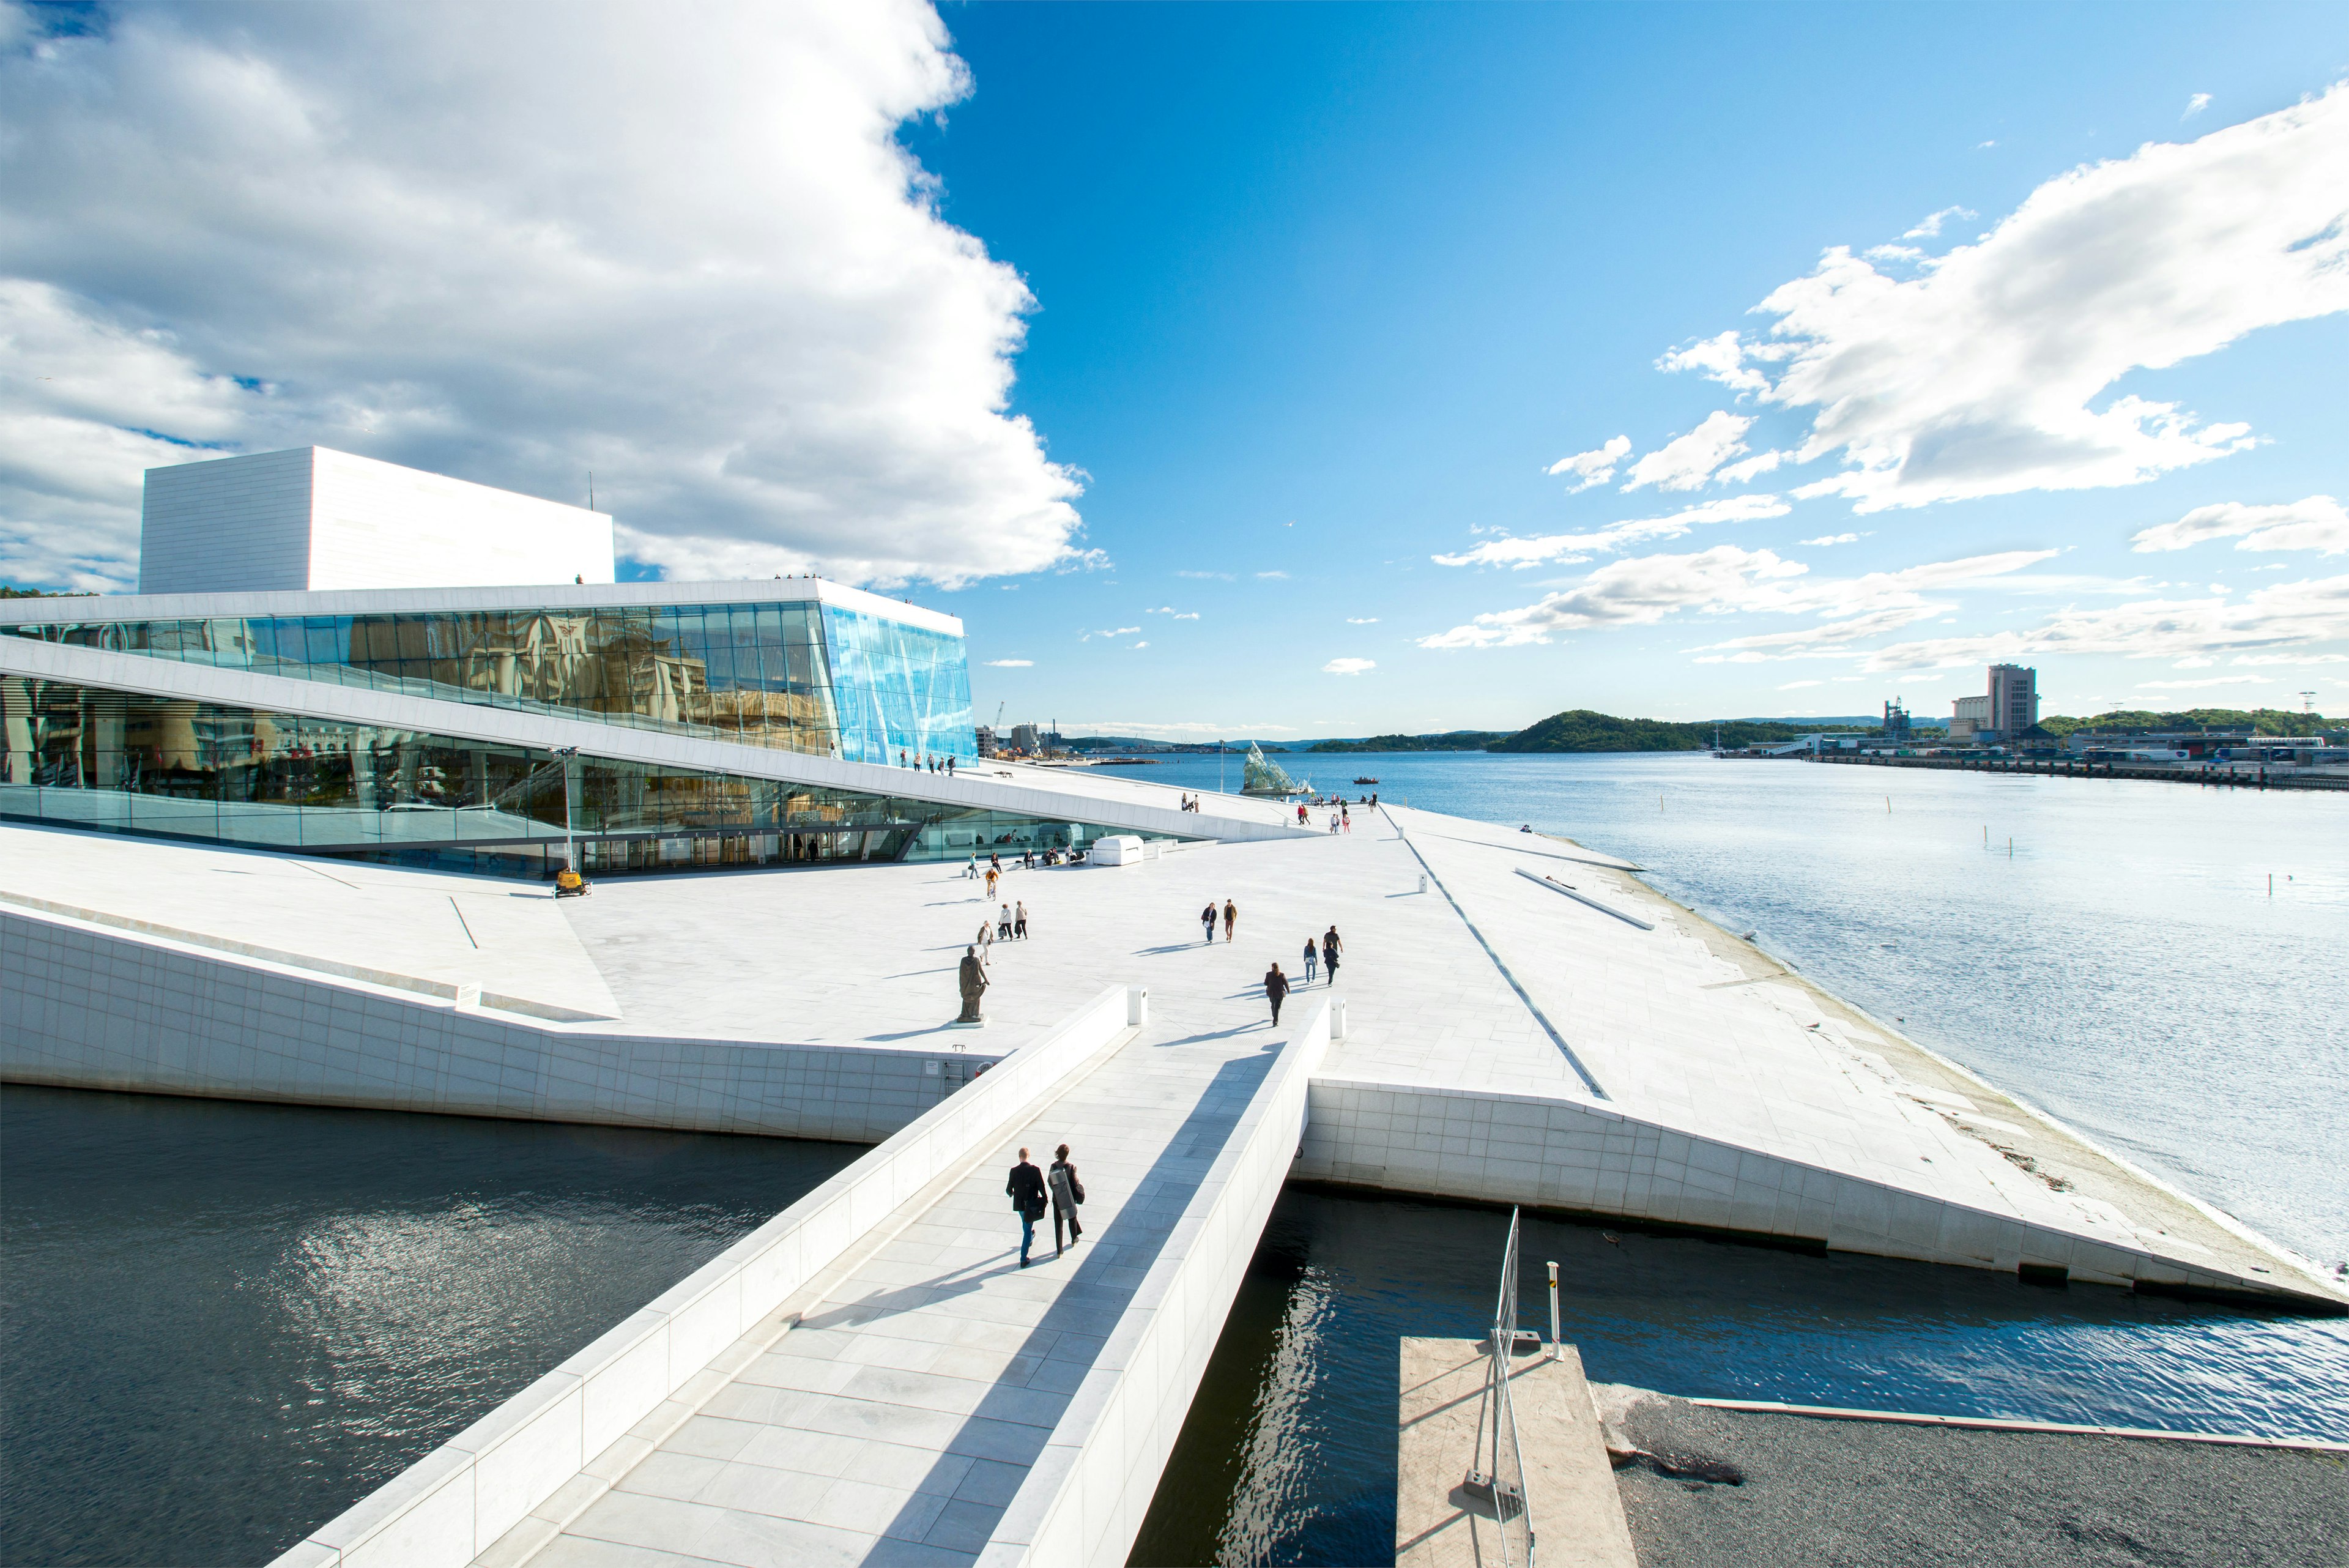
{"points": [[313, 519]]}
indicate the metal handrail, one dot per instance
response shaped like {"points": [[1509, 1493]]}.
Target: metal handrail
{"points": [[1499, 1479]]}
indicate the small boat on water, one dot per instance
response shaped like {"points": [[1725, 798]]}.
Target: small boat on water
{"points": [[1366, 780]]}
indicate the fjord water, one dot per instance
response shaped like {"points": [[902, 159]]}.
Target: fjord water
{"points": [[2123, 966], [221, 1324], [1289, 1452]]}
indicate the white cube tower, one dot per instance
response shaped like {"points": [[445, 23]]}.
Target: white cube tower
{"points": [[314, 518]]}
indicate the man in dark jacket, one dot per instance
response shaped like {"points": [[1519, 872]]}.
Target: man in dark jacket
{"points": [[1026, 1190], [1275, 987]]}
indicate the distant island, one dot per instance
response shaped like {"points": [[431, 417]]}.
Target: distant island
{"points": [[1581, 730], [1453, 741], [1585, 730]]}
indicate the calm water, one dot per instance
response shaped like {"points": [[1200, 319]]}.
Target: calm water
{"points": [[1289, 1456], [221, 1324], [241, 1318], [2125, 968]]}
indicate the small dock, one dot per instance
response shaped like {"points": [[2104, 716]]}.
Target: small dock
{"points": [[1576, 1515]]}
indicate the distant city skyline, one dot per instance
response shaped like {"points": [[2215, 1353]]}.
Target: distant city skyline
{"points": [[1268, 371]]}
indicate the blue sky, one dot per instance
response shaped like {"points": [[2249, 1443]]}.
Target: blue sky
{"points": [[1325, 289], [1254, 370]]}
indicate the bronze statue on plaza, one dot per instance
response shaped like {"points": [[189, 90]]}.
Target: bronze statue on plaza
{"points": [[974, 985]]}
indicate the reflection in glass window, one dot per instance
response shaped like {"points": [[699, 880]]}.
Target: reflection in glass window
{"points": [[794, 676], [87, 757]]}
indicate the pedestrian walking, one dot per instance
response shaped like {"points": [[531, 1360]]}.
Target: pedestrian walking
{"points": [[1068, 1195], [1331, 948], [1003, 924], [971, 872], [901, 757], [1026, 1189], [992, 874], [1276, 990], [1207, 922], [1231, 918], [950, 763], [1346, 817], [1311, 953], [985, 941], [996, 860], [1020, 920]]}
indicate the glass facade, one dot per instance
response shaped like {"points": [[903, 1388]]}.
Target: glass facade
{"points": [[797, 676], [86, 756], [897, 688]]}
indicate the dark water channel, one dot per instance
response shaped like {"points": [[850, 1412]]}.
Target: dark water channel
{"points": [[223, 1324], [1288, 1454]]}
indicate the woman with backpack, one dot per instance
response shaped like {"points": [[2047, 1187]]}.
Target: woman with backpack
{"points": [[1068, 1193]]}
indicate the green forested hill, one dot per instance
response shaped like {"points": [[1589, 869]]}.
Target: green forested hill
{"points": [[1455, 741], [1580, 730], [2258, 721]]}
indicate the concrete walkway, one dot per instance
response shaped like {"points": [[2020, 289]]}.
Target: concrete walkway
{"points": [[897, 1421]]}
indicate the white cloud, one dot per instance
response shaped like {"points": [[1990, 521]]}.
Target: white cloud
{"points": [[1929, 226], [2289, 659], [1218, 577], [2281, 616], [1349, 666], [1153, 727], [1978, 146], [1188, 615], [1108, 631], [1170, 611], [1139, 646], [2196, 105], [1272, 574], [1640, 591], [1595, 466], [2315, 522], [1361, 620], [1725, 579], [1980, 376], [1011, 664], [1565, 549], [1718, 358], [2200, 685], [513, 245], [1686, 462], [1831, 539], [1760, 462]]}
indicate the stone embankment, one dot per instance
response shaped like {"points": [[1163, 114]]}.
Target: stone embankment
{"points": [[2221, 777]]}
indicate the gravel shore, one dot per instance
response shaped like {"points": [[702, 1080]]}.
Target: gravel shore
{"points": [[1819, 1493]]}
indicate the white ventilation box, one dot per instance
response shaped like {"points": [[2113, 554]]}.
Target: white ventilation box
{"points": [[1117, 849], [314, 518]]}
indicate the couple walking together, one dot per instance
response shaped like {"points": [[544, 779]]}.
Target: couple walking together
{"points": [[1207, 920], [1276, 985], [1032, 1190]]}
